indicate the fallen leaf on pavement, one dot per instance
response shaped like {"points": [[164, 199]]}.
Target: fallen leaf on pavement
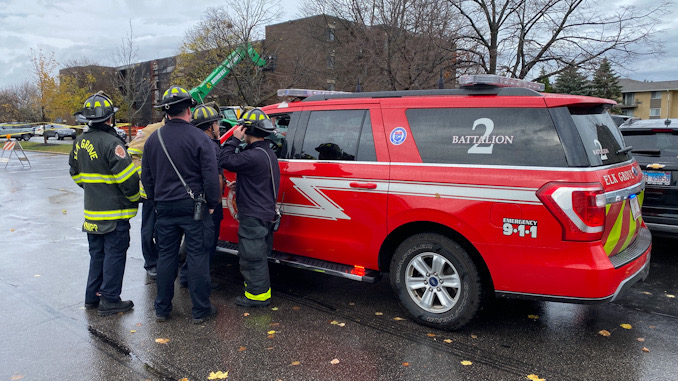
{"points": [[184, 379], [296, 308], [398, 318], [640, 339], [162, 341], [350, 304], [218, 375], [652, 327], [646, 350], [271, 332], [474, 336], [133, 331], [11, 230], [274, 324], [139, 324], [448, 340], [334, 322], [604, 332], [378, 313], [64, 211], [647, 293], [241, 349], [466, 363], [533, 317], [625, 326], [37, 276], [295, 363], [534, 377], [17, 377], [274, 309], [271, 336], [431, 335], [334, 362], [246, 314], [670, 296], [269, 348], [406, 364]]}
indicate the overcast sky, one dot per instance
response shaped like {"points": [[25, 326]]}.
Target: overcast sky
{"points": [[75, 29]]}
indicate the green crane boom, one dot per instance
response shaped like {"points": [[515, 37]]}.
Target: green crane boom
{"points": [[200, 92]]}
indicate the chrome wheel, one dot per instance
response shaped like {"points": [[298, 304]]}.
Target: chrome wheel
{"points": [[433, 282]]}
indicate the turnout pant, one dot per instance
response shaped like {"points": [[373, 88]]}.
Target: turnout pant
{"points": [[108, 254], [148, 246], [174, 220], [255, 242]]}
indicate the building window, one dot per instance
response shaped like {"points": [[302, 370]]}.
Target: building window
{"points": [[331, 84], [655, 95], [627, 112], [330, 34], [655, 112], [330, 61], [628, 99]]}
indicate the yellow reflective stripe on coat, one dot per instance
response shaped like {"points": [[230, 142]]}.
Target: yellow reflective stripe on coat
{"points": [[95, 178], [104, 215], [261, 297], [135, 151], [77, 178], [135, 197]]}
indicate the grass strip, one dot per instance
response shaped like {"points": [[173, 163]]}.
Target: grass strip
{"points": [[42, 147]]}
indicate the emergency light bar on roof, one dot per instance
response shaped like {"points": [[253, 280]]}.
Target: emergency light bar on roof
{"points": [[305, 93], [499, 81]]}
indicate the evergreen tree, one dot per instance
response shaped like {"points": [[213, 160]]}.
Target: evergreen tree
{"points": [[570, 81], [548, 88], [605, 82]]}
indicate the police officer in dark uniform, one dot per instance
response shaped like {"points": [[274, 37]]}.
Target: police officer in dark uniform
{"points": [[181, 209], [100, 165], [207, 119], [256, 189]]}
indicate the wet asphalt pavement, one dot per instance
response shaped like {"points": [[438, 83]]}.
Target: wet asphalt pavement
{"points": [[46, 333]]}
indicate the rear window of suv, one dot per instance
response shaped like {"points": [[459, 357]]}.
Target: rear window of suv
{"points": [[601, 137], [492, 136]]}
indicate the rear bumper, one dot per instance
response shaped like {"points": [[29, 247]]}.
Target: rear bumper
{"points": [[574, 281]]}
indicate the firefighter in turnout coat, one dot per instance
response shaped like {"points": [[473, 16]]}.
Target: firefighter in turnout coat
{"points": [[100, 165]]}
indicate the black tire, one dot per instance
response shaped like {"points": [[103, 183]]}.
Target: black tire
{"points": [[436, 304], [59, 137], [26, 137]]}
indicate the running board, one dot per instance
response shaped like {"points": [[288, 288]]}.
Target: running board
{"points": [[318, 265]]}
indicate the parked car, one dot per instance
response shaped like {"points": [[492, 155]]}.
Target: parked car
{"points": [[620, 119], [458, 194], [62, 133], [655, 147], [50, 130], [20, 131]]}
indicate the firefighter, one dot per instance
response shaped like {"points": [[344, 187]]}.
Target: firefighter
{"points": [[148, 246], [207, 119], [179, 174], [101, 166], [258, 181]]}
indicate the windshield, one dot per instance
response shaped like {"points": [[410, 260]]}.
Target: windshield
{"points": [[229, 114], [601, 137], [663, 143]]}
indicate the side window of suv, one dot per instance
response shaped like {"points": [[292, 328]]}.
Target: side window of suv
{"points": [[279, 138], [338, 135], [487, 136]]}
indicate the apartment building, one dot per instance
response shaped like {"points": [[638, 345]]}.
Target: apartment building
{"points": [[649, 99]]}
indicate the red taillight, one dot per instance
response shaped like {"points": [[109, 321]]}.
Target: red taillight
{"points": [[578, 207]]}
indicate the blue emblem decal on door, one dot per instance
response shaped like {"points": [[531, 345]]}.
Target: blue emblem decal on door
{"points": [[398, 136]]}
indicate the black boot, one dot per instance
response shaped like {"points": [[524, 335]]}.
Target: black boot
{"points": [[107, 308]]}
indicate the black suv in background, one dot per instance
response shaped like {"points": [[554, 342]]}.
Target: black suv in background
{"points": [[655, 147]]}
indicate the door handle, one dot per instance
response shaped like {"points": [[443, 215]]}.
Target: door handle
{"points": [[363, 185]]}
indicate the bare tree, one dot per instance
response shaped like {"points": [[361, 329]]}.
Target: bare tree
{"points": [[18, 103], [221, 31], [513, 37], [392, 44], [132, 79]]}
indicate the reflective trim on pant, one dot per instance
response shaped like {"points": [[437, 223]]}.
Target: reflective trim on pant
{"points": [[261, 297], [255, 242], [148, 246], [108, 254], [174, 219]]}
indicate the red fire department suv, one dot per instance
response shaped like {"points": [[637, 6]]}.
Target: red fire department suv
{"points": [[491, 189]]}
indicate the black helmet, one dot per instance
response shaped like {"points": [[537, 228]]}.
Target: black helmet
{"points": [[203, 116], [257, 123], [97, 108], [176, 96]]}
